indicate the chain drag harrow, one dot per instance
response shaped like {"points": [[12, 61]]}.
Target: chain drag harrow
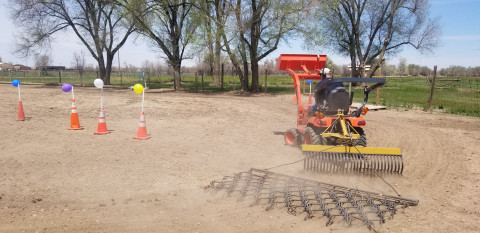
{"points": [[313, 198]]}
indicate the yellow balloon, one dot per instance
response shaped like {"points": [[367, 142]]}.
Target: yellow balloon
{"points": [[138, 88]]}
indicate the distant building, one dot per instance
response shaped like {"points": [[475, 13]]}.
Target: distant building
{"points": [[21, 67], [6, 66], [53, 68]]}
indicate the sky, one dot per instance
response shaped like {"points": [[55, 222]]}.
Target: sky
{"points": [[459, 43]]}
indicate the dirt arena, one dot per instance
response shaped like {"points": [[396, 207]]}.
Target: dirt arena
{"points": [[58, 180]]}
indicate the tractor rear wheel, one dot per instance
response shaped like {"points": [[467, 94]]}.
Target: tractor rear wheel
{"points": [[362, 141], [311, 137], [292, 137], [321, 140]]}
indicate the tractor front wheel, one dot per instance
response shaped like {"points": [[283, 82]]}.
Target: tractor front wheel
{"points": [[292, 137]]}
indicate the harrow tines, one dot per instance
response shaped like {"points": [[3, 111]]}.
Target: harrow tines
{"points": [[305, 202], [359, 208], [244, 189], [343, 159], [347, 162], [339, 204], [233, 184], [272, 194], [257, 191], [380, 213], [288, 200], [318, 197]]}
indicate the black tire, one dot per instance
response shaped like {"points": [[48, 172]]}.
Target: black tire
{"points": [[321, 140], [311, 137], [292, 137], [362, 141]]}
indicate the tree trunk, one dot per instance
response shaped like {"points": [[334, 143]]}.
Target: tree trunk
{"points": [[244, 79], [254, 67], [176, 75], [253, 46], [353, 65], [210, 56], [108, 69], [102, 70], [216, 60]]}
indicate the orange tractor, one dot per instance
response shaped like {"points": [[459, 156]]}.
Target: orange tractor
{"points": [[327, 130]]}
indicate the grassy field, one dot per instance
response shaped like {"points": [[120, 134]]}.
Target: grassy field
{"points": [[452, 95]]}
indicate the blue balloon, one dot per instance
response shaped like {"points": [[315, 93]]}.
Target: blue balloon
{"points": [[15, 82], [309, 81]]}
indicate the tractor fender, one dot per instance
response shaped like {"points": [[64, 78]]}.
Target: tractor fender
{"points": [[356, 121]]}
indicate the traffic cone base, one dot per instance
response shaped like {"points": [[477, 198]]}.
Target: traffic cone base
{"points": [[74, 121], [102, 125], [102, 132], [21, 115], [79, 128], [142, 129]]}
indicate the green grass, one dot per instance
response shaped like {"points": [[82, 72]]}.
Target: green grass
{"points": [[462, 98]]}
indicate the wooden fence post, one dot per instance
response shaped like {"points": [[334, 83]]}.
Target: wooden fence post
{"points": [[233, 74], [429, 104], [222, 78], [196, 81], [148, 79], [266, 74], [121, 78], [59, 76], [378, 89], [81, 78], [203, 89]]}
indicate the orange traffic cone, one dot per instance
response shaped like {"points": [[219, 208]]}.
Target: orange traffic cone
{"points": [[142, 128], [102, 125], [74, 122], [21, 115]]}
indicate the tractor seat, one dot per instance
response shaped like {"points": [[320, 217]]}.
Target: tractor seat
{"points": [[330, 99], [338, 98]]}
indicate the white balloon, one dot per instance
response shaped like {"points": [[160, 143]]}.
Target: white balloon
{"points": [[98, 83]]}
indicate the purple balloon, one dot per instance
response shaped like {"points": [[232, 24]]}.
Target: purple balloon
{"points": [[66, 87]]}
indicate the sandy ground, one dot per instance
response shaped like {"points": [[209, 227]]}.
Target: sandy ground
{"points": [[58, 180]]}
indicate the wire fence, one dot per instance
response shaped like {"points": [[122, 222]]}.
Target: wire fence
{"points": [[457, 95]]}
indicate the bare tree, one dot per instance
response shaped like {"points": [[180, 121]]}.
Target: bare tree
{"points": [[402, 67], [253, 30], [210, 39], [99, 25], [41, 62], [269, 22], [413, 69], [387, 69], [425, 71], [79, 64], [369, 30], [169, 24]]}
